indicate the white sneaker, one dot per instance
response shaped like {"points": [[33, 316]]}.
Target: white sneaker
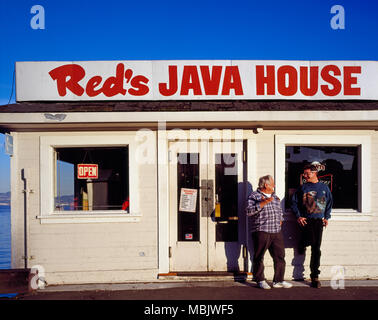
{"points": [[264, 285], [282, 284]]}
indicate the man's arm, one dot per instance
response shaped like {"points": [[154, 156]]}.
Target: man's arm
{"points": [[254, 206], [295, 207], [329, 204], [295, 204]]}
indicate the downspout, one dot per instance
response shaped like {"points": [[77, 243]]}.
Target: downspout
{"points": [[23, 178], [245, 197]]}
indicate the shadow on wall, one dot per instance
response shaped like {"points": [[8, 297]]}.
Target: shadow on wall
{"points": [[291, 234], [233, 249]]}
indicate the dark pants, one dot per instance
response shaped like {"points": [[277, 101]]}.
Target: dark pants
{"points": [[273, 242], [312, 234]]}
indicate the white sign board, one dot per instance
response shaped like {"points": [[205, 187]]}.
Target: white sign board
{"points": [[196, 80], [188, 200]]}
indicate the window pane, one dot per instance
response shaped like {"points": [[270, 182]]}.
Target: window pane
{"points": [[187, 177], [340, 171], [226, 192], [92, 178], [65, 185]]}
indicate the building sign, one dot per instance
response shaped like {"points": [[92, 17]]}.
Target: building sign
{"points": [[196, 80], [87, 171], [188, 200]]}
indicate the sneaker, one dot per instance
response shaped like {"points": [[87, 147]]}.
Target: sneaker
{"points": [[282, 284], [264, 285], [315, 283]]}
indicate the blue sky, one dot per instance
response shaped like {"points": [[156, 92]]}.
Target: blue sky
{"points": [[149, 30]]}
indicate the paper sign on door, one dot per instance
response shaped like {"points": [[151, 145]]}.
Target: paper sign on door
{"points": [[188, 200]]}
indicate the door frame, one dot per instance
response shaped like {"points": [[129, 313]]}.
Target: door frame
{"points": [[206, 254], [162, 137]]}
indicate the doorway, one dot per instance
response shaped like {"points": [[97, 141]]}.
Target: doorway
{"points": [[206, 188]]}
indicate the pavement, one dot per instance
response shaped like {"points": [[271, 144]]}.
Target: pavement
{"points": [[206, 290], [209, 300]]}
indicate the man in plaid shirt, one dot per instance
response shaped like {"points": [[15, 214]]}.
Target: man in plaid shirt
{"points": [[264, 208]]}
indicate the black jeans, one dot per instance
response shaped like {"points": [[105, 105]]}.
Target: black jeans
{"points": [[273, 242], [312, 234]]}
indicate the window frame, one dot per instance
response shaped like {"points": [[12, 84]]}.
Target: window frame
{"points": [[364, 170], [48, 144]]}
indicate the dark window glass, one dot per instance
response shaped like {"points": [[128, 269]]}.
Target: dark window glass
{"points": [[187, 177], [109, 190], [339, 170], [226, 194]]}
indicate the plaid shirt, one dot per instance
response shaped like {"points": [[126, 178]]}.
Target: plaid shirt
{"points": [[267, 218]]}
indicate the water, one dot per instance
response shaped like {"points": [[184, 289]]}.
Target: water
{"points": [[5, 238], [5, 243]]}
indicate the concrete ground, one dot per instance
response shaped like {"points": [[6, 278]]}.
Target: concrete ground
{"points": [[215, 291]]}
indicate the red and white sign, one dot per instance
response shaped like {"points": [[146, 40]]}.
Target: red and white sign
{"points": [[196, 80], [188, 200], [87, 171], [188, 236]]}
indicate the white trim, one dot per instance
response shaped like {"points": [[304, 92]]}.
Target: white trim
{"points": [[334, 140], [251, 178], [163, 200], [47, 145], [88, 218], [190, 116]]}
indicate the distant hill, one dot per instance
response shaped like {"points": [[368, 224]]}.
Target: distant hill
{"points": [[5, 198], [65, 202]]}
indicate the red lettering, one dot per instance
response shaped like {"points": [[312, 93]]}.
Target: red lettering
{"points": [[114, 85], [261, 80], [314, 80], [232, 81], [74, 73], [211, 83], [292, 86], [91, 85], [190, 81], [349, 80], [325, 73], [139, 86], [163, 87]]}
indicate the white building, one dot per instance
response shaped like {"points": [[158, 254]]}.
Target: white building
{"points": [[139, 170]]}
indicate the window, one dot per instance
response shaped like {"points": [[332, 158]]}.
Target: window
{"points": [[338, 168], [348, 169], [92, 178]]}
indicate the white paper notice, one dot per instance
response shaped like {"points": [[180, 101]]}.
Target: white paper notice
{"points": [[188, 200]]}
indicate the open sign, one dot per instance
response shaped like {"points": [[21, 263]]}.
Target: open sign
{"points": [[87, 171]]}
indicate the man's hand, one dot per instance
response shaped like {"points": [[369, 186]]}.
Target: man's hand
{"points": [[302, 221], [325, 223], [265, 201]]}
